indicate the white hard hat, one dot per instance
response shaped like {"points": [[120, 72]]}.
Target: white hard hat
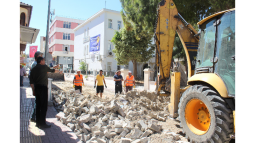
{"points": [[129, 72], [78, 70]]}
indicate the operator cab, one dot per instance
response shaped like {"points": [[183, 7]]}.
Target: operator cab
{"points": [[216, 49]]}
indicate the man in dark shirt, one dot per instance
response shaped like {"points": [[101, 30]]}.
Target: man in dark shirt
{"points": [[118, 82], [39, 78]]}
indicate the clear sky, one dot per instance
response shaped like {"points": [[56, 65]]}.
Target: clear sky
{"points": [[77, 9]]}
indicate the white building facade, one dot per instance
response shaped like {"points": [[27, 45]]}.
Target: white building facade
{"points": [[103, 24]]}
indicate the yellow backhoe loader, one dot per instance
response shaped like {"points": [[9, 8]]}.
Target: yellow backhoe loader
{"points": [[206, 106]]}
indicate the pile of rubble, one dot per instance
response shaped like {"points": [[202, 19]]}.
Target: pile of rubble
{"points": [[128, 118]]}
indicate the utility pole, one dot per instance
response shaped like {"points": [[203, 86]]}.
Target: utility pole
{"points": [[47, 32]]}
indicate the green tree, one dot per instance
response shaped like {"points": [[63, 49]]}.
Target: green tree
{"points": [[133, 41], [195, 10], [83, 66], [129, 48]]}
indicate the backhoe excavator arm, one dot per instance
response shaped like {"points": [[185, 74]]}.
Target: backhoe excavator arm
{"points": [[168, 22]]}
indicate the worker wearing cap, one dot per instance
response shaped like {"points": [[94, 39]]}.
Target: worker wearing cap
{"points": [[78, 81], [118, 82], [36, 55], [129, 81]]}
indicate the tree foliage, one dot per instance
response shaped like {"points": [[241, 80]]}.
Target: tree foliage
{"points": [[83, 66], [195, 10], [133, 41]]}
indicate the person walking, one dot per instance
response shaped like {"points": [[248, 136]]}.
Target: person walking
{"points": [[129, 81], [39, 78], [36, 55], [22, 74], [78, 81], [118, 82], [100, 84]]}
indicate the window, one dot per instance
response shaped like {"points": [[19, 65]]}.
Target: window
{"points": [[66, 36], [119, 25], [88, 32], [109, 23], [67, 25], [109, 46], [225, 66], [22, 19], [206, 44], [66, 48], [85, 33], [52, 37]]}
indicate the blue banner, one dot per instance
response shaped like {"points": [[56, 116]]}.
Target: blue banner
{"points": [[94, 43]]}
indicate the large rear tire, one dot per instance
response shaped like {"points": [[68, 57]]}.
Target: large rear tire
{"points": [[205, 116]]}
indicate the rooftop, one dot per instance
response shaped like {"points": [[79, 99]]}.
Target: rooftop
{"points": [[23, 4], [94, 16]]}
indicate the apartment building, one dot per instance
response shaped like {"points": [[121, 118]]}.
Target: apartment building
{"points": [[61, 41]]}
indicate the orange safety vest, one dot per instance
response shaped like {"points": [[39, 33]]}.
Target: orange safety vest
{"points": [[130, 80], [78, 80]]}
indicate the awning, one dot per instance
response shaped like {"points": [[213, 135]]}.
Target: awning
{"points": [[28, 34]]}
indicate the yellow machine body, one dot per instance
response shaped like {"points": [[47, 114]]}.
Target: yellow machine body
{"points": [[214, 80], [169, 23]]}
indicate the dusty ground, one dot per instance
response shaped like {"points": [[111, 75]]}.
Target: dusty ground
{"points": [[170, 124]]}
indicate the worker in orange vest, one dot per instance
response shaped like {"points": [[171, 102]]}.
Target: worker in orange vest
{"points": [[129, 81], [78, 81]]}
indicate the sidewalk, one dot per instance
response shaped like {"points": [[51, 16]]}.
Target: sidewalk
{"points": [[29, 133]]}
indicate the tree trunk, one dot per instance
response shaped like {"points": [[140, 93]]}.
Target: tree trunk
{"points": [[134, 68]]}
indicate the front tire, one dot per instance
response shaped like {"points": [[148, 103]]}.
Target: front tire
{"points": [[205, 116]]}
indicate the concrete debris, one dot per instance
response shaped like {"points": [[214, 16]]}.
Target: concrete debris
{"points": [[174, 135], [125, 140], [133, 117]]}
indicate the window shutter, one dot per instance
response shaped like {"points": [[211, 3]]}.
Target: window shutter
{"points": [[68, 48]]}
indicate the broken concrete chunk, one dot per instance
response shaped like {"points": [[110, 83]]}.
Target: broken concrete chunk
{"points": [[97, 133], [71, 126], [124, 132], [93, 110], [147, 133], [144, 140], [112, 134], [136, 133], [136, 141], [107, 134], [125, 140], [174, 135], [60, 115], [142, 125], [85, 110], [105, 118], [154, 127], [86, 126], [118, 130], [101, 140], [85, 131], [85, 118], [121, 112]]}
